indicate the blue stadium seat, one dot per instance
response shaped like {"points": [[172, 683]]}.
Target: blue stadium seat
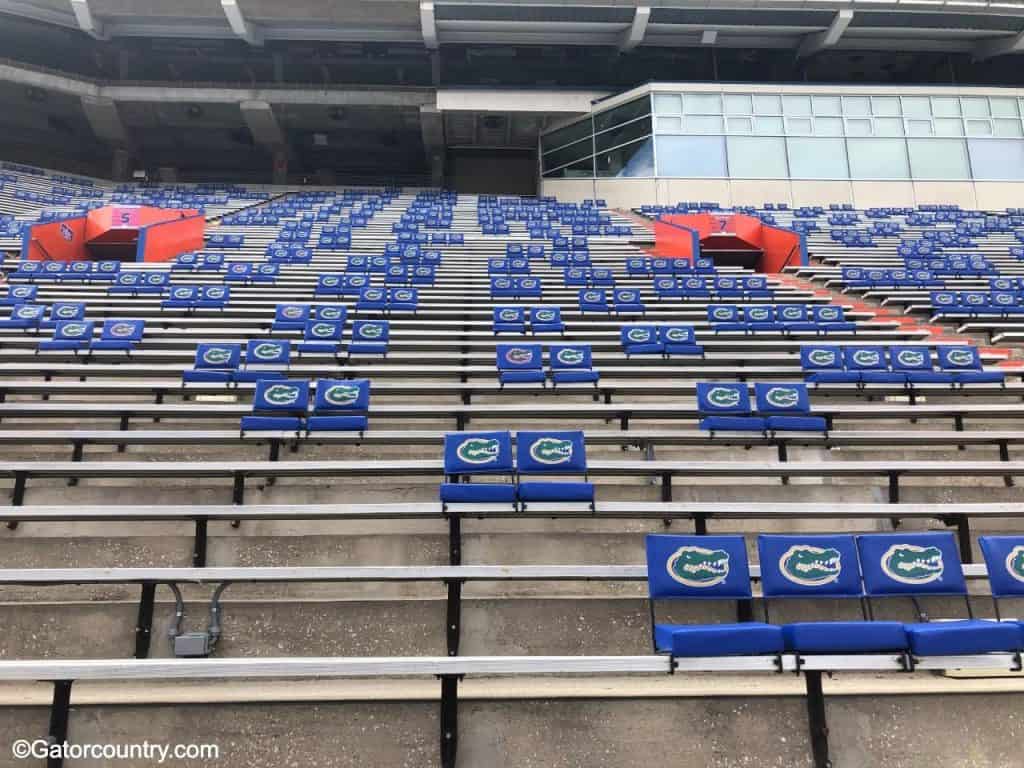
{"points": [[19, 294], [669, 287], [528, 287], [265, 358], [330, 313], [352, 285], [1004, 560], [725, 407], [572, 363], [468, 454], [64, 310], [627, 301], [593, 300], [705, 568], [290, 317], [964, 363], [552, 453], [641, 340], [265, 273], [24, 317], [823, 364], [546, 320], [761, 318], [725, 317], [795, 318], [52, 270], [403, 300], [341, 405], [871, 365], [824, 567], [372, 299], [508, 320], [181, 297], [502, 288], [638, 266], [185, 262], [238, 272], [69, 336], [321, 337], [329, 285], [520, 364], [679, 340], [919, 565], [278, 405], [787, 408], [119, 335], [213, 297], [370, 337], [214, 363], [831, 318], [916, 364]]}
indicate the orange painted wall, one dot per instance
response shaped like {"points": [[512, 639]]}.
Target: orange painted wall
{"points": [[50, 242], [166, 240]]}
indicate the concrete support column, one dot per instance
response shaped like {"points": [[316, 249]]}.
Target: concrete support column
{"points": [[120, 169], [280, 167]]}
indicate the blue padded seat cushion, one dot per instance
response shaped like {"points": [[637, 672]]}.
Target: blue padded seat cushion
{"points": [[644, 349], [367, 348], [327, 347], [112, 344], [62, 345], [250, 376], [585, 375], [844, 636], [980, 377], [749, 638], [521, 377], [547, 327], [797, 423], [509, 328], [556, 491], [883, 377], [478, 493], [929, 377], [951, 638], [733, 424], [833, 377], [337, 423], [215, 377]]}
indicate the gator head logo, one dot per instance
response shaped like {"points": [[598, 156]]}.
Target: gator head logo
{"points": [[357, 282], [216, 355], [792, 313], [866, 357], [502, 283], [1003, 298], [1001, 285], [66, 313], [757, 313], [215, 293], [373, 294], [403, 295], [379, 261], [73, 330], [698, 566], [281, 394], [911, 358], [822, 357], [342, 395], [628, 296], [665, 283], [268, 350], [638, 335], [371, 331], [423, 271], [545, 315], [782, 397], [551, 450], [322, 330], [129, 279], [108, 267], [911, 564], [292, 312], [182, 293], [1015, 563], [960, 357], [329, 281], [677, 335], [721, 313], [122, 329], [519, 356], [330, 313], [695, 283], [28, 313], [53, 266], [659, 263], [79, 266], [828, 313], [592, 296], [508, 315], [570, 356], [810, 566], [723, 397], [396, 271], [155, 279], [529, 283], [943, 298], [478, 450], [973, 298]]}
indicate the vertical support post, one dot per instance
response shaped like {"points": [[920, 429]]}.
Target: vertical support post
{"points": [[894, 488], [453, 616], [123, 426], [76, 455], [60, 708], [1004, 455], [783, 458], [816, 720], [454, 540], [449, 720], [144, 624], [666, 486], [199, 543], [963, 535], [700, 524]]}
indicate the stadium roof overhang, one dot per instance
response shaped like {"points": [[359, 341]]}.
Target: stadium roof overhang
{"points": [[984, 28]]}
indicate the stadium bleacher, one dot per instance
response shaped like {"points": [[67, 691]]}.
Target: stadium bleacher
{"points": [[339, 407]]}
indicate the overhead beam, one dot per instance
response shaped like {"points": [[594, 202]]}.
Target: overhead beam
{"points": [[827, 38], [428, 23], [245, 29], [86, 21], [1000, 46], [637, 29], [105, 120], [262, 123]]}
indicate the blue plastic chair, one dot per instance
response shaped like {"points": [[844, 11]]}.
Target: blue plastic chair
{"points": [[278, 405], [546, 320], [369, 337], [468, 454], [69, 336], [725, 407], [787, 408], [340, 405], [119, 336], [520, 364], [641, 340], [572, 364], [552, 453]]}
